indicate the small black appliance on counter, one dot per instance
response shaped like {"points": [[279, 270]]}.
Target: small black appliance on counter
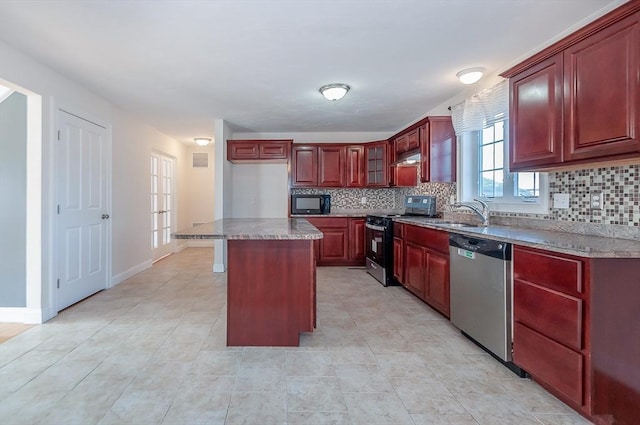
{"points": [[310, 204]]}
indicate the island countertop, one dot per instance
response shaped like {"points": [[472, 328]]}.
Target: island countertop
{"points": [[253, 229]]}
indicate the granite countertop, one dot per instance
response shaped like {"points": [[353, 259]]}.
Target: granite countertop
{"points": [[252, 229], [563, 242]]}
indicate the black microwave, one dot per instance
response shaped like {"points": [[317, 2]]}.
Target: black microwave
{"points": [[310, 204]]}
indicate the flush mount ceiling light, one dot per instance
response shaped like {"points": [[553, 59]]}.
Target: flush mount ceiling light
{"points": [[470, 75], [202, 141], [334, 91]]}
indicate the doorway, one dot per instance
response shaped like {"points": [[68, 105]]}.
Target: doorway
{"points": [[82, 210], [162, 205]]}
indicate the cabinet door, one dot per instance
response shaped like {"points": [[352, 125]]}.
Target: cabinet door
{"points": [[333, 246], [535, 127], [400, 144], [331, 166], [602, 93], [376, 164], [437, 282], [415, 268], [356, 240], [404, 176], [238, 151], [413, 141], [274, 150], [398, 260], [304, 166], [438, 151], [355, 166]]}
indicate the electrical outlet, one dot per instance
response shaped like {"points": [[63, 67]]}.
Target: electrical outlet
{"points": [[561, 200], [597, 201], [452, 199], [363, 200]]}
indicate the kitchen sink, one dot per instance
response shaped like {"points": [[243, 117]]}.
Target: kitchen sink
{"points": [[458, 225]]}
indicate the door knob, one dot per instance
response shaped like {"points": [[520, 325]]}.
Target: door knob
{"points": [[105, 216]]}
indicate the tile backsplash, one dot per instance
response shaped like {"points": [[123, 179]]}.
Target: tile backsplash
{"points": [[620, 187]]}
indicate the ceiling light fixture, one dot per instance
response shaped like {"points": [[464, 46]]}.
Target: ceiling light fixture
{"points": [[334, 91], [470, 75], [202, 141]]}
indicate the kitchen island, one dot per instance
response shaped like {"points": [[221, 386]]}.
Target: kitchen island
{"points": [[271, 278]]}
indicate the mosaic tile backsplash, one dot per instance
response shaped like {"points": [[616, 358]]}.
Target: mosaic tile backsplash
{"points": [[620, 186]]}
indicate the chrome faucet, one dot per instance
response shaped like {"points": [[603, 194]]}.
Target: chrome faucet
{"points": [[483, 214]]}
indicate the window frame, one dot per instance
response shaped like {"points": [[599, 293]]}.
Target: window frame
{"points": [[468, 181]]}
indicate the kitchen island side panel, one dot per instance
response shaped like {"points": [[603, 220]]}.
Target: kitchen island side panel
{"points": [[269, 292]]}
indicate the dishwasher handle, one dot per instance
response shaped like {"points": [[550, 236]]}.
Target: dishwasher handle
{"points": [[488, 247]]}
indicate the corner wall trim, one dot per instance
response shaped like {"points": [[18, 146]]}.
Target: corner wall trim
{"points": [[121, 277]]}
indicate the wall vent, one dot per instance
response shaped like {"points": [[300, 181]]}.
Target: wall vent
{"points": [[200, 160]]}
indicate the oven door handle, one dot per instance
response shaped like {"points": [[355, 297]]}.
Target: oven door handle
{"points": [[374, 227]]}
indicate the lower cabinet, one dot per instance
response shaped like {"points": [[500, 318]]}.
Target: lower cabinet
{"points": [[574, 320], [398, 252], [343, 241], [424, 255]]}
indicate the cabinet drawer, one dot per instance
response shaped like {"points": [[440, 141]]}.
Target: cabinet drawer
{"points": [[553, 314], [334, 222], [549, 270], [433, 239], [556, 365], [398, 230]]}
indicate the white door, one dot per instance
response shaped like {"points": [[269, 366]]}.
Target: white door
{"points": [[162, 200], [82, 208]]}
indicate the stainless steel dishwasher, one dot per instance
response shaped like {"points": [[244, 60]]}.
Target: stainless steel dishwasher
{"points": [[481, 294]]}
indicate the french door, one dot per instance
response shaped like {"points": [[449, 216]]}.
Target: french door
{"points": [[162, 201], [82, 211]]}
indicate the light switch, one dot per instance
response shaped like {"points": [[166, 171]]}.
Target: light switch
{"points": [[561, 200]]}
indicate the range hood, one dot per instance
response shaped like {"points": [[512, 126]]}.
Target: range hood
{"points": [[408, 158]]}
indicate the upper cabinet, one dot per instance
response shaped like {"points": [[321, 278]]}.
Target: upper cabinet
{"points": [[376, 164], [437, 150], [258, 150], [331, 166], [578, 101], [355, 171], [304, 166]]}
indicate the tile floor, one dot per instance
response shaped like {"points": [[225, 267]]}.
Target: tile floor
{"points": [[152, 351]]}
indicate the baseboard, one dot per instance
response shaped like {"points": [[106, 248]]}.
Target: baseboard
{"points": [[218, 268], [25, 315], [121, 277]]}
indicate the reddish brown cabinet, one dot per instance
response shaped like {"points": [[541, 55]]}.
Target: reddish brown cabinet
{"points": [[356, 242], [602, 92], [403, 175], [426, 266], [578, 101], [343, 241], [398, 252], [437, 150], [355, 166], [376, 164], [304, 166], [331, 166], [572, 317], [258, 150]]}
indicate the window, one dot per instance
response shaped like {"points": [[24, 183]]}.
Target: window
{"points": [[481, 123], [485, 174]]}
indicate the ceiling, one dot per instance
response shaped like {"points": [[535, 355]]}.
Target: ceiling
{"points": [[258, 64]]}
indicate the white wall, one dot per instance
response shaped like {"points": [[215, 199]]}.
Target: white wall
{"points": [[132, 143], [13, 201], [260, 190]]}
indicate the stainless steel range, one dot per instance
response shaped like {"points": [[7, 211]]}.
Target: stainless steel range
{"points": [[379, 236]]}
